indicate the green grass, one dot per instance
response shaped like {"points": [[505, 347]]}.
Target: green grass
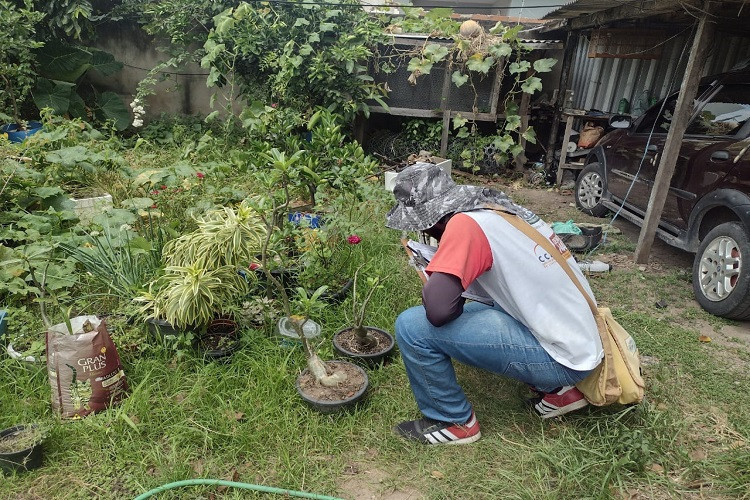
{"points": [[186, 418]]}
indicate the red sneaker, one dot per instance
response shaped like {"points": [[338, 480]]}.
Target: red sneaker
{"points": [[560, 402]]}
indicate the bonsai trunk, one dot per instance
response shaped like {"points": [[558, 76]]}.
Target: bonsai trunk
{"points": [[364, 339], [315, 364]]}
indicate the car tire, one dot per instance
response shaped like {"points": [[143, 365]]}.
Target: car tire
{"points": [[590, 189], [721, 271]]}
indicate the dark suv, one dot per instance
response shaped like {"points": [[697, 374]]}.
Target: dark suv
{"points": [[707, 210]]}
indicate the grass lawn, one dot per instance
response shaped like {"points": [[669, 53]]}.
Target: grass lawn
{"points": [[242, 420]]}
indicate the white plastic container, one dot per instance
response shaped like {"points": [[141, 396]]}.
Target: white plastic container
{"points": [[310, 330], [87, 208]]}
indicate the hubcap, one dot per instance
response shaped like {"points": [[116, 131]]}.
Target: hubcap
{"points": [[590, 190], [720, 267]]}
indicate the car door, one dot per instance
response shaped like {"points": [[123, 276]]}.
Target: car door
{"points": [[632, 161], [711, 149]]}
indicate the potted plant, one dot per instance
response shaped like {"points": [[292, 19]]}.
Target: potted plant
{"points": [[21, 448], [17, 74], [328, 386], [369, 344], [201, 281]]}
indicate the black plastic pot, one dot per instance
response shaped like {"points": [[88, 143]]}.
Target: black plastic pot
{"points": [[21, 460], [337, 296], [370, 359], [220, 328], [160, 327], [328, 407]]}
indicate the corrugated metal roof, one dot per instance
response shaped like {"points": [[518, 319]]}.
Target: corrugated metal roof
{"points": [[581, 7]]}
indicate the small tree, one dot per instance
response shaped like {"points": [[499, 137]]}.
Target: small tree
{"points": [[17, 74], [272, 210], [359, 308]]}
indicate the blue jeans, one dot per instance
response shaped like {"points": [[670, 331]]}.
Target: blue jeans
{"points": [[483, 336]]}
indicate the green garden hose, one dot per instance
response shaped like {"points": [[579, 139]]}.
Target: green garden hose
{"points": [[232, 484]]}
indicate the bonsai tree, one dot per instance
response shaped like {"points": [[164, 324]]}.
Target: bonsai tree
{"points": [[272, 210], [359, 308], [17, 74]]}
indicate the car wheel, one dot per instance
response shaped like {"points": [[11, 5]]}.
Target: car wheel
{"points": [[721, 271], [590, 188]]}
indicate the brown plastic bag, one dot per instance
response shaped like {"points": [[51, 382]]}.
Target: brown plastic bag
{"points": [[590, 135], [84, 369]]}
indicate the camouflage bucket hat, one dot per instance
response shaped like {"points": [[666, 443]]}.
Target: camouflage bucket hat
{"points": [[424, 194]]}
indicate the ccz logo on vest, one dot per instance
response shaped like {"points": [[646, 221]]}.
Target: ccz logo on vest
{"points": [[543, 257]]}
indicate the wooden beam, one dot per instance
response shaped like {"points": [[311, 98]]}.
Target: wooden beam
{"points": [[435, 113], [570, 48], [445, 104], [523, 109], [683, 109], [629, 11]]}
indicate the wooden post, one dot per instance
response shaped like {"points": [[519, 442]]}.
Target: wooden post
{"points": [[570, 45], [445, 105], [683, 109], [564, 150], [523, 110]]}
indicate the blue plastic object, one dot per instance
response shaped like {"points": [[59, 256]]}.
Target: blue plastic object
{"points": [[15, 135], [3, 323], [305, 219]]}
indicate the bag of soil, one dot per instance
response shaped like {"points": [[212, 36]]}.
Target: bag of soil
{"points": [[84, 369]]}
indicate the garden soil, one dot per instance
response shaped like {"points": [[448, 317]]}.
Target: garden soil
{"points": [[345, 390], [348, 340]]}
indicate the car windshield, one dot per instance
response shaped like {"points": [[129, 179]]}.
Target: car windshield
{"points": [[725, 114]]}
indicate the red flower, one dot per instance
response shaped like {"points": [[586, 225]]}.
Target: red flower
{"points": [[254, 266], [163, 187], [275, 104], [153, 206], [200, 175], [155, 191], [354, 239]]}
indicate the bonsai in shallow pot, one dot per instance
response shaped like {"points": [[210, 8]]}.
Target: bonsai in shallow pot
{"points": [[328, 386], [369, 344]]}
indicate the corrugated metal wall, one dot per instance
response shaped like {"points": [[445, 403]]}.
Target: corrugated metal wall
{"points": [[599, 83]]}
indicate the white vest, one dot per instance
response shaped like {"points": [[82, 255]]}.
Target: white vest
{"points": [[531, 286]]}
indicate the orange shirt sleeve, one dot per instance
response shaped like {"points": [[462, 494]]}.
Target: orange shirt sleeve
{"points": [[463, 252]]}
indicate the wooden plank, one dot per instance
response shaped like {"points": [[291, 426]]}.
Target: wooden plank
{"points": [[564, 150], [496, 84], [630, 11], [683, 108], [435, 113]]}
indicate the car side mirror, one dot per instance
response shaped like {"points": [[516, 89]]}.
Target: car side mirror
{"points": [[620, 121]]}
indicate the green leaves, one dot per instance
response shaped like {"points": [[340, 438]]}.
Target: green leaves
{"points": [[479, 63], [58, 61], [531, 85], [104, 62], [53, 94], [458, 78], [111, 107], [544, 65], [519, 67], [501, 50]]}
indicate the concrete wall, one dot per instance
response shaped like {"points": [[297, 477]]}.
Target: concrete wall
{"points": [[184, 93]]}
